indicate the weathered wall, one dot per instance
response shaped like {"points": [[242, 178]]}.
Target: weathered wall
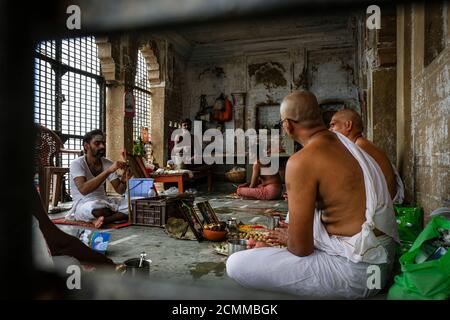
{"points": [[423, 109], [267, 78], [405, 147], [381, 80], [383, 99], [212, 78], [268, 70], [430, 118]]}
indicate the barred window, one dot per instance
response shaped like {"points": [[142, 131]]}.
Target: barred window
{"points": [[44, 94], [142, 97], [69, 91], [81, 54]]}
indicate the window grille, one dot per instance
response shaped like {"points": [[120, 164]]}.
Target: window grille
{"points": [[142, 96], [69, 91]]}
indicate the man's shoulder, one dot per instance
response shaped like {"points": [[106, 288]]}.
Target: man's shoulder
{"points": [[374, 151], [305, 153], [312, 156], [299, 158], [365, 143], [77, 161]]}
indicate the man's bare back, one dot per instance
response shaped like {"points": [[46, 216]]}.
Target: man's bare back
{"points": [[383, 161], [268, 179], [340, 183], [349, 123]]}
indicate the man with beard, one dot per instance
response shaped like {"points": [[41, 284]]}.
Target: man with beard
{"points": [[88, 174]]}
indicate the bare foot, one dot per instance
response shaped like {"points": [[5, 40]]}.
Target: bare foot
{"points": [[98, 222]]}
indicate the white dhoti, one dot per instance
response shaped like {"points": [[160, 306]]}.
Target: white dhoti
{"points": [[339, 266], [82, 209], [317, 276]]}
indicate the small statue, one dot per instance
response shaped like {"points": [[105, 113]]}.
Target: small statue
{"points": [[147, 147]]}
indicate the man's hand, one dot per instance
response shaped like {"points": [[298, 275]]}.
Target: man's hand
{"points": [[279, 236], [283, 225], [243, 185], [116, 166], [127, 174]]}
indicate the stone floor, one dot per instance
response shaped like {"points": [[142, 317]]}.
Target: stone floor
{"points": [[189, 263]]}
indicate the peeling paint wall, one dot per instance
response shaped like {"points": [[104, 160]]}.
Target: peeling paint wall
{"points": [[211, 79], [331, 76], [383, 99], [269, 81], [430, 108], [430, 129], [378, 77], [267, 77]]}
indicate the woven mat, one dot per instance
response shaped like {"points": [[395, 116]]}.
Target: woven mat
{"points": [[89, 224]]}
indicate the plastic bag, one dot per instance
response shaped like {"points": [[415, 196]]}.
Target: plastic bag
{"points": [[171, 191], [409, 225], [426, 280]]}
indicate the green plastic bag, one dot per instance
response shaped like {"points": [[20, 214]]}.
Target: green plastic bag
{"points": [[409, 225], [427, 280]]}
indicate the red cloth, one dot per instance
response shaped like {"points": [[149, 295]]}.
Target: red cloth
{"points": [[267, 192]]}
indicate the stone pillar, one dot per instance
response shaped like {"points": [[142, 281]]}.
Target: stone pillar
{"points": [[381, 84], [384, 115], [405, 155], [115, 121], [159, 129], [118, 57], [115, 124]]}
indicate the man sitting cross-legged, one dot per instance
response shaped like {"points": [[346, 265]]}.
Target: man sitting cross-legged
{"points": [[88, 174], [262, 187], [342, 225]]}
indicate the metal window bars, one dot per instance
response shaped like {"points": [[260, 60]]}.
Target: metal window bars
{"points": [[142, 96], [69, 91]]}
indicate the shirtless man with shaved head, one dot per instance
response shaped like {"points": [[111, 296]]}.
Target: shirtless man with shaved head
{"points": [[341, 216], [349, 123]]}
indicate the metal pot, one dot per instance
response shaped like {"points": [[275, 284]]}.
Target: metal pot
{"points": [[236, 246], [138, 267]]}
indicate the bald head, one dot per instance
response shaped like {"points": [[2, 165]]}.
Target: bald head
{"points": [[346, 115], [302, 107]]}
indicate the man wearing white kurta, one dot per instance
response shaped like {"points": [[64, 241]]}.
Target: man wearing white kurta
{"points": [[342, 229], [88, 174]]}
